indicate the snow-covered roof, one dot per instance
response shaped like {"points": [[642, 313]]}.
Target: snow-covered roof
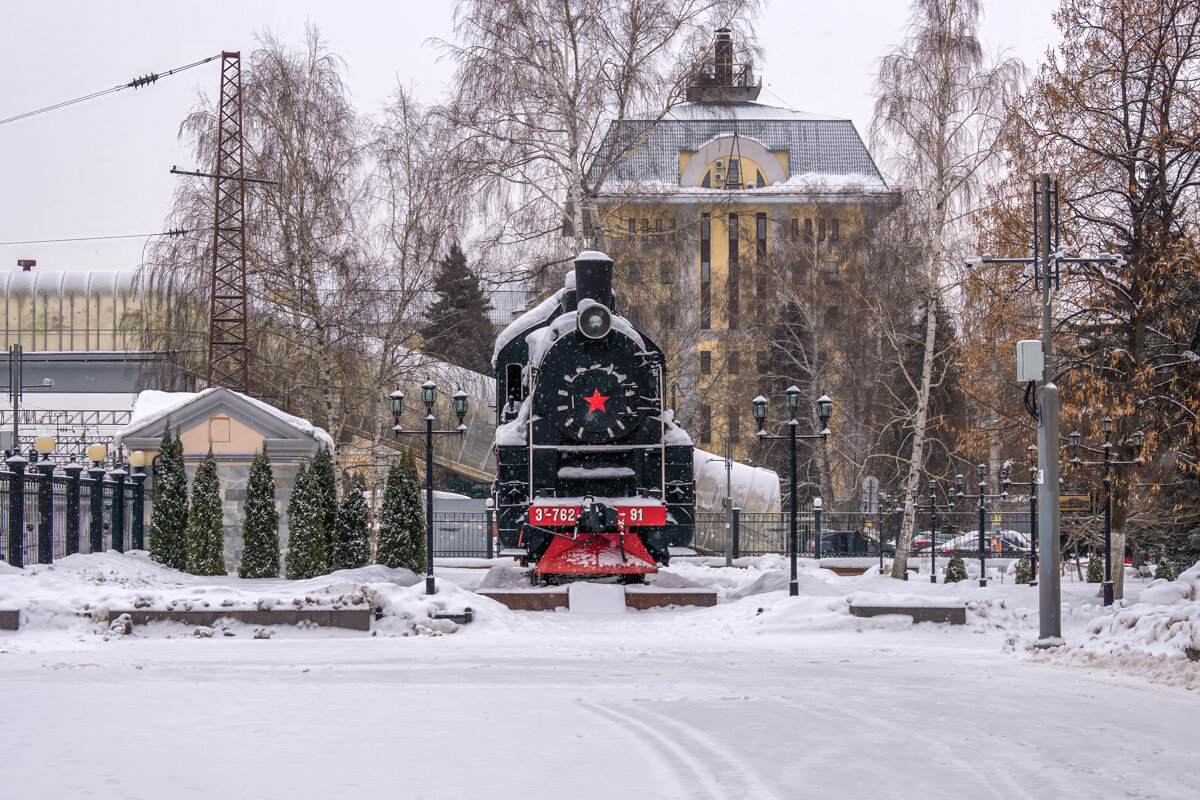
{"points": [[816, 145], [726, 111], [155, 406], [60, 282]]}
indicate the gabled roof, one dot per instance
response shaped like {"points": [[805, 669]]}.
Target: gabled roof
{"points": [[816, 145], [153, 410]]}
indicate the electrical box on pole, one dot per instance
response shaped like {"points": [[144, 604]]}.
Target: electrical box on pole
{"points": [[1029, 360]]}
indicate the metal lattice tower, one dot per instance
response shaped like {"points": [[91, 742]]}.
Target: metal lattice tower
{"points": [[228, 355]]}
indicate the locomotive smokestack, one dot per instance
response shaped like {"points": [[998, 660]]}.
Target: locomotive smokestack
{"points": [[593, 277]]}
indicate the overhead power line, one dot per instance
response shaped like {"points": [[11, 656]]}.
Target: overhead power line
{"points": [[136, 83], [172, 232]]}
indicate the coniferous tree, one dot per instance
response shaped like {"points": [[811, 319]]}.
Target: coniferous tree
{"points": [[390, 549], [205, 535], [458, 328], [326, 488], [351, 542], [1024, 570], [1095, 570], [412, 515], [260, 531], [306, 555], [956, 570], [168, 520], [1165, 569]]}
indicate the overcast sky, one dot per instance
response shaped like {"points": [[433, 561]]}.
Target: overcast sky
{"points": [[100, 168]]}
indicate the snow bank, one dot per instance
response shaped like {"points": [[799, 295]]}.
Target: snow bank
{"points": [[1157, 635], [77, 595]]}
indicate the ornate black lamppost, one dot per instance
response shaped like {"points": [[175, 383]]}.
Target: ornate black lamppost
{"points": [[429, 397], [982, 497], [1135, 442], [933, 507], [824, 412]]}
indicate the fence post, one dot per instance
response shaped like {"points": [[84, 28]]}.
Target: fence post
{"points": [[96, 525], [16, 510], [117, 517], [72, 533], [737, 532], [817, 530], [46, 513], [139, 508], [491, 515]]}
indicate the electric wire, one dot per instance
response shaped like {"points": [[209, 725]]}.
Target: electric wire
{"points": [[173, 232], [136, 83]]}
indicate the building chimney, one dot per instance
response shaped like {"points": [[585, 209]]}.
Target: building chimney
{"points": [[723, 58], [26, 264]]}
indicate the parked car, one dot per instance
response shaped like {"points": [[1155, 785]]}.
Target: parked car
{"points": [[920, 542], [1005, 543]]}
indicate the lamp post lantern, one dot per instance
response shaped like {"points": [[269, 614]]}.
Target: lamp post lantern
{"points": [[428, 397], [824, 407], [1136, 441]]}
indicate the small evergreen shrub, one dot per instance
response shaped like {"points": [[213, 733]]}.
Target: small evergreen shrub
{"points": [[260, 531], [169, 517], [351, 535], [1166, 568], [1095, 570], [956, 570], [306, 555], [205, 535], [1024, 570]]}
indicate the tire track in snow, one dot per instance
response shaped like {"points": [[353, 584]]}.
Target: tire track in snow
{"points": [[968, 759], [691, 754], [692, 776]]}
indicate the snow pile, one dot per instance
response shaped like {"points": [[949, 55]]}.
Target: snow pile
{"points": [[83, 594], [1157, 636]]}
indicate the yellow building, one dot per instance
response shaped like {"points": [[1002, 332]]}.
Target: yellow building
{"points": [[733, 225]]}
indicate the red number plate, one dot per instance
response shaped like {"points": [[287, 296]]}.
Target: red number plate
{"points": [[633, 516], [553, 515]]}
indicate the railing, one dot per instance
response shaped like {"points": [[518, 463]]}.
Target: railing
{"points": [[48, 513], [462, 535], [853, 534]]}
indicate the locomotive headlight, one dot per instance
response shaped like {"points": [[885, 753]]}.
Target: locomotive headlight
{"points": [[595, 321]]}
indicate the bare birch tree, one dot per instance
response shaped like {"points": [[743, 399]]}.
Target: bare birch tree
{"points": [[537, 85], [938, 112]]}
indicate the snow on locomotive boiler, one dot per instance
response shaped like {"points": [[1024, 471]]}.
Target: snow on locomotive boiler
{"points": [[593, 475]]}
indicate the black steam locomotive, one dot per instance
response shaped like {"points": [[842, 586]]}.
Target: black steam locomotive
{"points": [[593, 475]]}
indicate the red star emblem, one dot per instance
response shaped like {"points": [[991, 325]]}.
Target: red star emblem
{"points": [[595, 402]]}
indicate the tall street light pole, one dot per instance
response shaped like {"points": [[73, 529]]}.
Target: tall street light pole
{"points": [[429, 397], [824, 412], [1135, 441], [1046, 263]]}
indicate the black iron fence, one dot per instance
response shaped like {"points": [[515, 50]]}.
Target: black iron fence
{"points": [[850, 534], [47, 512], [463, 535]]}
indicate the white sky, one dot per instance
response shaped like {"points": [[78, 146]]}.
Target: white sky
{"points": [[100, 168]]}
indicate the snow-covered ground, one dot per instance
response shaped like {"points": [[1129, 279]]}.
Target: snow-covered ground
{"points": [[763, 696]]}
